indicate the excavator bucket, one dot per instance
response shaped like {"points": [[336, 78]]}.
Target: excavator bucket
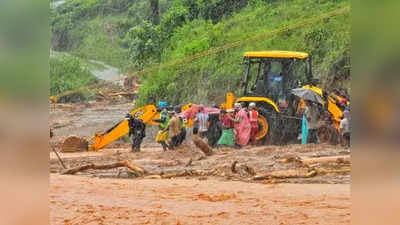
{"points": [[145, 113]]}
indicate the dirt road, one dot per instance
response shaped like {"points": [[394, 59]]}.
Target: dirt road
{"points": [[83, 200]]}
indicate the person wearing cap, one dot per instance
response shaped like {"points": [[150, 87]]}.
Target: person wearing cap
{"points": [[344, 128], [174, 127], [228, 135], [201, 118], [242, 126], [253, 114], [137, 129], [162, 136]]}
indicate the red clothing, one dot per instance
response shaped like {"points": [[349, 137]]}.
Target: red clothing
{"points": [[254, 118], [227, 122], [242, 128], [253, 132]]}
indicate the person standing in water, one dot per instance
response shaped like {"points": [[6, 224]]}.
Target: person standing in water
{"points": [[242, 126], [312, 115], [137, 129], [253, 114], [228, 135], [202, 118], [162, 136]]}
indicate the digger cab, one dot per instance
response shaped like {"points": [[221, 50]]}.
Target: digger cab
{"points": [[273, 74]]}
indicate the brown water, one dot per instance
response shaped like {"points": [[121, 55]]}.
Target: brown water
{"points": [[83, 200]]}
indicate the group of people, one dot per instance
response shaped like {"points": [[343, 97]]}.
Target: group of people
{"points": [[311, 124], [170, 124], [235, 127]]}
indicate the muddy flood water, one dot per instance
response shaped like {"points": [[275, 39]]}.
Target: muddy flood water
{"points": [[83, 200], [303, 184]]}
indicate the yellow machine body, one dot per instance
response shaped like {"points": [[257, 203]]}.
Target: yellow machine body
{"points": [[146, 114], [335, 111]]}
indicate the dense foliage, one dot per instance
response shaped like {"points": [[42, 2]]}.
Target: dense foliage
{"points": [[120, 33], [68, 73], [208, 78]]}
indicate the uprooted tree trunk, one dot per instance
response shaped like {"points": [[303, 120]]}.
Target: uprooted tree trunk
{"points": [[283, 174], [345, 159], [204, 147], [136, 169]]}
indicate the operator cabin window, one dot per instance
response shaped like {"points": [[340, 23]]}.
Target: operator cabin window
{"points": [[265, 79]]}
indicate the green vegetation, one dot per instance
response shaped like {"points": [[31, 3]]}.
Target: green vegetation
{"points": [[68, 73], [207, 78], [119, 33]]}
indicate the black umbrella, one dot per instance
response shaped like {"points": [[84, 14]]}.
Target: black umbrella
{"points": [[307, 94]]}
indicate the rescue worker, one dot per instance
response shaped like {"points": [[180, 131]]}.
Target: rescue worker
{"points": [[137, 129], [312, 116], [174, 126], [202, 118], [253, 115], [228, 135], [345, 129], [182, 134], [242, 126], [214, 129], [162, 136]]}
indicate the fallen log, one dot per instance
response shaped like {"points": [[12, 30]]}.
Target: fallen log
{"points": [[121, 93], [282, 174], [344, 170], [202, 145], [136, 169], [344, 159]]}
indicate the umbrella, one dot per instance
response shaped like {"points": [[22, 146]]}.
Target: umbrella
{"points": [[307, 94]]}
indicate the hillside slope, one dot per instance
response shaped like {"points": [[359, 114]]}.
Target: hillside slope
{"points": [[119, 33], [210, 77]]}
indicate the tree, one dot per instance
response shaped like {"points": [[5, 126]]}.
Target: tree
{"points": [[154, 16]]}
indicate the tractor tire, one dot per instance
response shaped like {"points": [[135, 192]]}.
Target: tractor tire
{"points": [[267, 127]]}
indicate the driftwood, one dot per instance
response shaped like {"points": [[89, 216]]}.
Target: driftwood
{"points": [[345, 159], [189, 163], [59, 158], [233, 167], [136, 169], [202, 145], [282, 174], [121, 93], [343, 170], [249, 170]]}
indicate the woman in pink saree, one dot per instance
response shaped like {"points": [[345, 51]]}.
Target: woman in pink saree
{"points": [[242, 126]]}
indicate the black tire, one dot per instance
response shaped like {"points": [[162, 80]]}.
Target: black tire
{"points": [[272, 118]]}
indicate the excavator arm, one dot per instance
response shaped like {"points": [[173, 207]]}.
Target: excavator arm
{"points": [[146, 114]]}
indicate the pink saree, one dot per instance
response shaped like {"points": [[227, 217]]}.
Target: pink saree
{"points": [[242, 128]]}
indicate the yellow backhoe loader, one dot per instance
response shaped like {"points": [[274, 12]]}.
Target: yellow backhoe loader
{"points": [[268, 80]]}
